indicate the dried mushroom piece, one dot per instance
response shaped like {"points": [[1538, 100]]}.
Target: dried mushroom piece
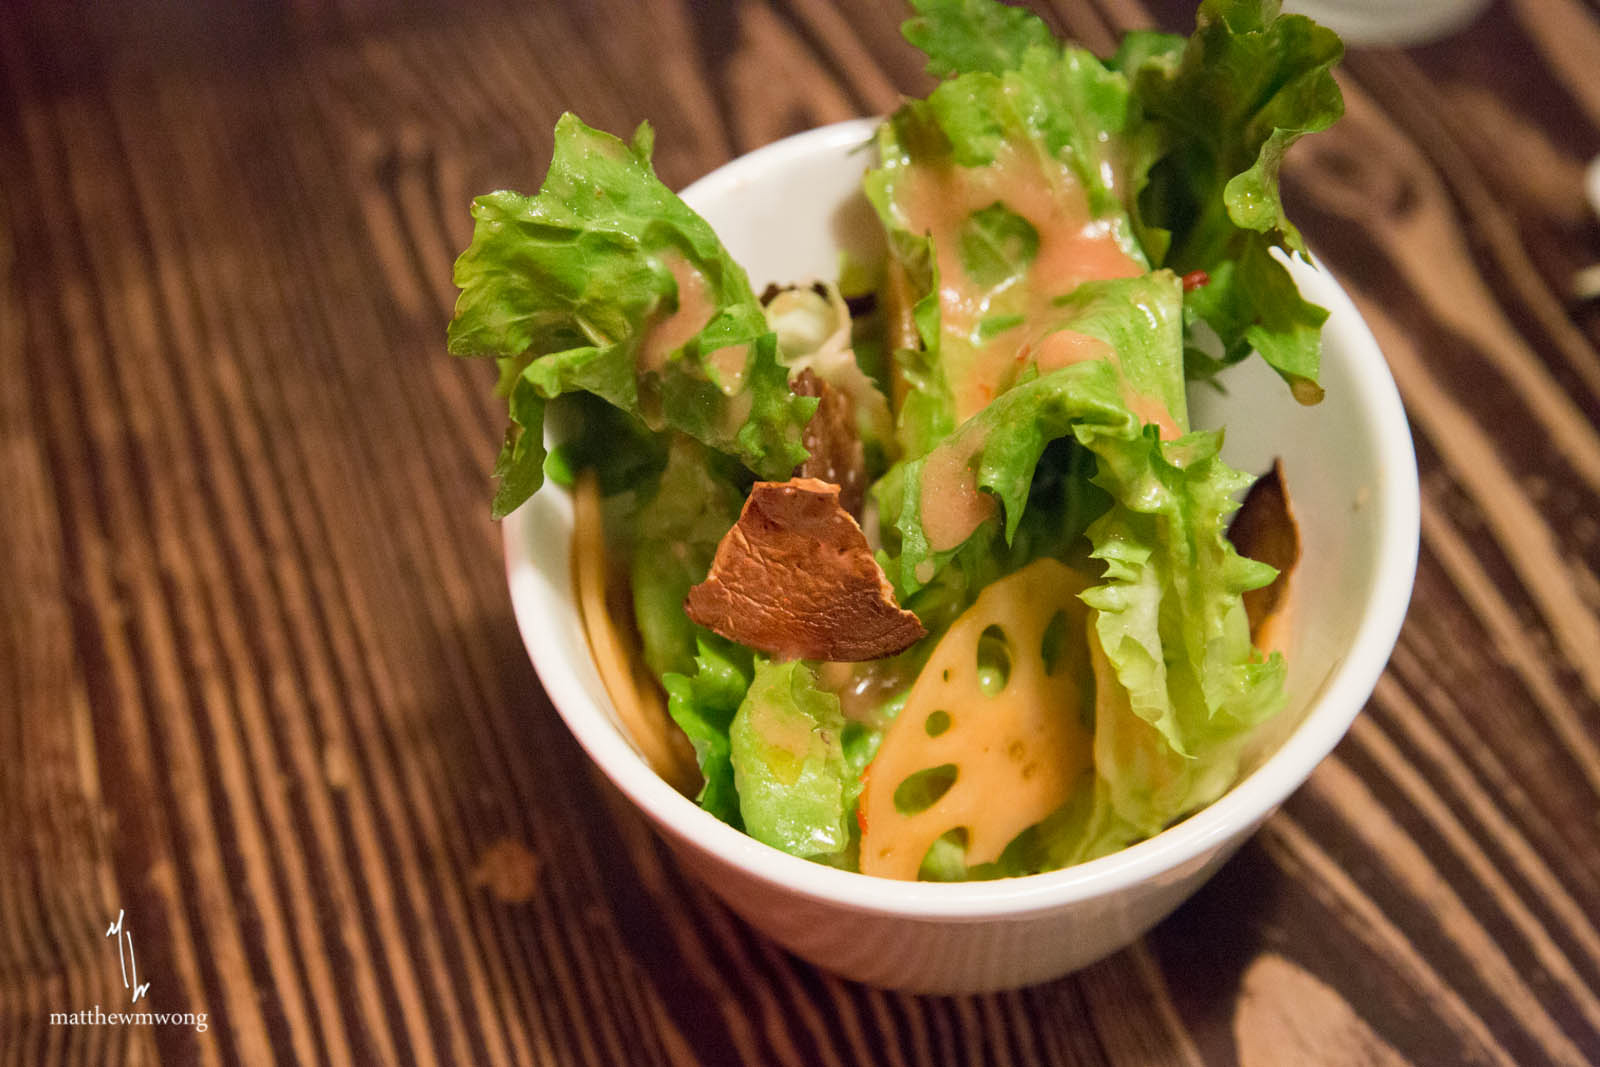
{"points": [[795, 579], [836, 454], [1264, 529]]}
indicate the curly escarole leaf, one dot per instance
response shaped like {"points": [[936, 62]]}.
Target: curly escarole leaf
{"points": [[703, 701], [796, 787], [1199, 143], [675, 535], [1001, 192], [606, 282], [1134, 378], [1170, 628], [966, 35], [1171, 615], [1227, 105]]}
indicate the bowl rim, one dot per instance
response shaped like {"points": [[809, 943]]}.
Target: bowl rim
{"points": [[1339, 700]]}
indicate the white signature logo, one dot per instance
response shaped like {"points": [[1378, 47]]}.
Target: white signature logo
{"points": [[126, 961]]}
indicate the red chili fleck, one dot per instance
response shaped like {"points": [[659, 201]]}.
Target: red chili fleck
{"points": [[1194, 280]]}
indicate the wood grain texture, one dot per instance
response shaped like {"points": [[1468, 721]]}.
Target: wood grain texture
{"points": [[260, 688]]}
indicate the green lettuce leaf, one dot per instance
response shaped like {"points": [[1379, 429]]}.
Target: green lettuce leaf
{"points": [[1005, 441], [1197, 129], [1140, 319], [519, 468], [859, 743], [1170, 615], [1062, 501], [565, 287], [960, 36], [926, 411], [1253, 305], [796, 788], [1001, 144], [675, 534], [1226, 106], [1143, 784], [703, 701], [625, 454]]}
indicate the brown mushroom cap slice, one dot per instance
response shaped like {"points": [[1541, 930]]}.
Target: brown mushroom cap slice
{"points": [[795, 579], [1264, 529], [834, 450]]}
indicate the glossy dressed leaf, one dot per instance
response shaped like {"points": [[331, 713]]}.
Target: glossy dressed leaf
{"points": [[606, 282]]}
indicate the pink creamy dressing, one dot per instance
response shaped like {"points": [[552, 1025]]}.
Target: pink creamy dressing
{"points": [[952, 505], [1074, 247], [666, 335], [1151, 409], [729, 366], [1063, 348], [736, 413]]}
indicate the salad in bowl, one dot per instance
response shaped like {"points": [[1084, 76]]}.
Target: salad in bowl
{"points": [[922, 570]]}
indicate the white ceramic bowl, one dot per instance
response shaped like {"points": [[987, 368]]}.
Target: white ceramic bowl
{"points": [[785, 212]]}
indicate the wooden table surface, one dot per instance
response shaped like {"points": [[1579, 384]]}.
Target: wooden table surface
{"points": [[260, 689]]}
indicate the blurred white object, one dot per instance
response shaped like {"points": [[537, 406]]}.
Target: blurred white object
{"points": [[1390, 22], [1586, 283], [1591, 185]]}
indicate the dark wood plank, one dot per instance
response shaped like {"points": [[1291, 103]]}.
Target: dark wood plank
{"points": [[260, 689]]}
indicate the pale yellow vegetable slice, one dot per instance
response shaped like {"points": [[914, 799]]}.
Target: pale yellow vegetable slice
{"points": [[1016, 748], [641, 709]]}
